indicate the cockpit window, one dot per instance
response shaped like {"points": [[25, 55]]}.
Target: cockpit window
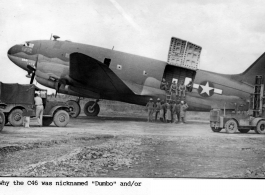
{"points": [[28, 44]]}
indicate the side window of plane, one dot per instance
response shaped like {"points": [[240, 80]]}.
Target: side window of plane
{"points": [[27, 44], [107, 61]]}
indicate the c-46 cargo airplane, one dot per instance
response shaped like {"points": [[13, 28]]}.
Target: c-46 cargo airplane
{"points": [[94, 72]]}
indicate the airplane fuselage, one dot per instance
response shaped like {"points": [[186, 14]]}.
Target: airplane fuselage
{"points": [[142, 75]]}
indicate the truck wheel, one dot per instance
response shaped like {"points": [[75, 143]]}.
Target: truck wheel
{"points": [[74, 107], [260, 129], [15, 118], [216, 129], [61, 118], [6, 119], [243, 130], [231, 126], [89, 111], [46, 121], [2, 121]]}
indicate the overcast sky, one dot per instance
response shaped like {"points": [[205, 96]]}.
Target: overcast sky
{"points": [[231, 33]]}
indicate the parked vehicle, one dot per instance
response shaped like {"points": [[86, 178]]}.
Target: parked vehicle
{"points": [[2, 116], [253, 119], [19, 100]]}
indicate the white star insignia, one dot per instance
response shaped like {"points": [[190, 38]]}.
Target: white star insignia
{"points": [[206, 89]]}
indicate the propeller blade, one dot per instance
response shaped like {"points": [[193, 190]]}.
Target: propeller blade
{"points": [[58, 85], [33, 70], [32, 77], [30, 68]]}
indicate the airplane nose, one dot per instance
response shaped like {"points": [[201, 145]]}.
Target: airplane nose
{"points": [[13, 50]]}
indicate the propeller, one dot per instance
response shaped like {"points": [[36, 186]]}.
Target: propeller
{"points": [[33, 70], [57, 87], [59, 82]]}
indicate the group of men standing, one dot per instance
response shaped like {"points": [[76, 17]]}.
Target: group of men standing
{"points": [[169, 111]]}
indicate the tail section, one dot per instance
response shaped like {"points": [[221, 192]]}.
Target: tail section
{"points": [[249, 75]]}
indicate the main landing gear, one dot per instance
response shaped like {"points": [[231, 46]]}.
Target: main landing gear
{"points": [[74, 107], [91, 108]]}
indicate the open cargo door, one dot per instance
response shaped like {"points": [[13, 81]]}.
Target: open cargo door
{"points": [[183, 61]]}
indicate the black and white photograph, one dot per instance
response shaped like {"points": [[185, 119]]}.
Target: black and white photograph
{"points": [[133, 97]]}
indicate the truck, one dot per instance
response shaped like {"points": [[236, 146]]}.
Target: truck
{"points": [[243, 121], [19, 101], [2, 116]]}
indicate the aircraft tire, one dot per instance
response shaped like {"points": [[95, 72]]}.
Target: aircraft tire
{"points": [[2, 120], [15, 117], [260, 128], [91, 112], [231, 126], [47, 121], [243, 130], [216, 129], [75, 108], [61, 118]]}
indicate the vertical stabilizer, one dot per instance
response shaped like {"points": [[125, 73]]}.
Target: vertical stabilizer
{"points": [[249, 75]]}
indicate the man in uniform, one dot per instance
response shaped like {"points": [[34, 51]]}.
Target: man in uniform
{"points": [[164, 84], [177, 111], [164, 107], [173, 89], [183, 107], [150, 109], [157, 108], [168, 112], [189, 86], [39, 108], [161, 114], [182, 89], [173, 113]]}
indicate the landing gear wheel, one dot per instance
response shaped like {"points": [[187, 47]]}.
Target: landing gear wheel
{"points": [[91, 108], [231, 126], [15, 118], [74, 107], [260, 129], [61, 118], [2, 121], [46, 121], [243, 130], [216, 129]]}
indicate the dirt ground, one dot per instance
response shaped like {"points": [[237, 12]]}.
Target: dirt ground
{"points": [[123, 146]]}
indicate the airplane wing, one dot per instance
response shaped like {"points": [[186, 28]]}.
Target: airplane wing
{"points": [[94, 74]]}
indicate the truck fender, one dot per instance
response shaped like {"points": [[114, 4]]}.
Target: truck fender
{"points": [[227, 119], [236, 121], [2, 105], [55, 108], [11, 107], [255, 121]]}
